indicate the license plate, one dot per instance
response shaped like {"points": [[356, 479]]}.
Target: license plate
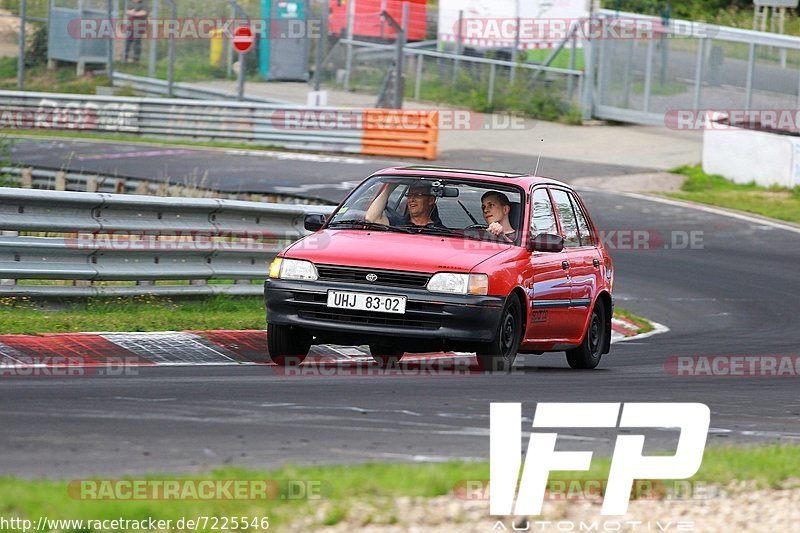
{"points": [[367, 302]]}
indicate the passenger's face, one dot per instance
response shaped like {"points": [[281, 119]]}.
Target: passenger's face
{"points": [[419, 203], [493, 211]]}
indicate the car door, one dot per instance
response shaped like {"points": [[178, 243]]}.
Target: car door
{"points": [[585, 265], [549, 290], [579, 259]]}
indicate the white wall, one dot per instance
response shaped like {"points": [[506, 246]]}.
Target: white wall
{"points": [[744, 156]]}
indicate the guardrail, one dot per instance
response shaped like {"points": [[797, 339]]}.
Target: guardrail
{"points": [[293, 127], [157, 87], [60, 180], [96, 237]]}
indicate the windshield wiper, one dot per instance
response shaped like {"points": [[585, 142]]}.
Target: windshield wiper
{"points": [[437, 230], [364, 224]]}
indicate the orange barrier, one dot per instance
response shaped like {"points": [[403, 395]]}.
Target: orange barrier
{"points": [[401, 133]]}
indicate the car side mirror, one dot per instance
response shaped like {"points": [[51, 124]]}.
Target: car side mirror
{"points": [[546, 242], [314, 223]]}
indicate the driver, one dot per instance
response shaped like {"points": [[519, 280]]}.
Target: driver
{"points": [[420, 204], [496, 209]]}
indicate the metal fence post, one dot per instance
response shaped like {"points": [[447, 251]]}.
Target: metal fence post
{"points": [[587, 93], [9, 282], [351, 21], [648, 74], [110, 59], [321, 47], [459, 44], [698, 73], [402, 37], [171, 52], [153, 51], [418, 81], [21, 59], [515, 51], [751, 65], [492, 74], [571, 79]]}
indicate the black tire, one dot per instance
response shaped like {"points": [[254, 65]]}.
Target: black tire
{"points": [[499, 354], [385, 356], [587, 356], [287, 346]]}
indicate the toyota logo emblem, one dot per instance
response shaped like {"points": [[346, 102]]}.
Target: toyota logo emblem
{"points": [[372, 277]]}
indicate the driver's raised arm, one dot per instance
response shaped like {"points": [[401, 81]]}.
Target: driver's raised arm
{"points": [[376, 212]]}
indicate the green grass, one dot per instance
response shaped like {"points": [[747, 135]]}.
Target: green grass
{"points": [[343, 486], [774, 202], [643, 325], [142, 313], [40, 79], [22, 315]]}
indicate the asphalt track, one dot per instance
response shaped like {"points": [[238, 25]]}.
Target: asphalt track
{"points": [[228, 170], [735, 294]]}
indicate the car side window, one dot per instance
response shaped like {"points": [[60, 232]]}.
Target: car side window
{"points": [[567, 217], [583, 225], [542, 218]]}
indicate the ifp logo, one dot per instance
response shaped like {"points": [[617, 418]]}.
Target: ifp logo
{"points": [[627, 464]]}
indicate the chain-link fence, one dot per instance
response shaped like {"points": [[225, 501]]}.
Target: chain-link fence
{"points": [[691, 67]]}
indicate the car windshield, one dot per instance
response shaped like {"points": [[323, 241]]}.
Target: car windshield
{"points": [[455, 208]]}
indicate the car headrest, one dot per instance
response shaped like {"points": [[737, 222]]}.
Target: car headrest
{"points": [[514, 214]]}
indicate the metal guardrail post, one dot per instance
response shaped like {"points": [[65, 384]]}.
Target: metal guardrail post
{"points": [[21, 59]]}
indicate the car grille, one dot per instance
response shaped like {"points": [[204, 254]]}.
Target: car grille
{"points": [[387, 278], [342, 316]]}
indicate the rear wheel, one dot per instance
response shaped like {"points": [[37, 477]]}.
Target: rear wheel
{"points": [[588, 355], [385, 356], [499, 354], [287, 346]]}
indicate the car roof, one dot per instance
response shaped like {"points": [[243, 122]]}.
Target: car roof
{"points": [[506, 178]]}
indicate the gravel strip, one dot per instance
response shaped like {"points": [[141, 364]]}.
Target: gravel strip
{"points": [[736, 507]]}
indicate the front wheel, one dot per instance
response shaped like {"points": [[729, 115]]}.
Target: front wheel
{"points": [[287, 346], [499, 354], [588, 354]]}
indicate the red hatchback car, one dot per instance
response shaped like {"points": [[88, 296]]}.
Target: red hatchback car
{"points": [[423, 259]]}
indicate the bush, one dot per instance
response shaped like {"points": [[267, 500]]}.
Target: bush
{"points": [[36, 54]]}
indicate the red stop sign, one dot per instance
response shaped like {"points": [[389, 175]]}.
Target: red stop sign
{"points": [[243, 39]]}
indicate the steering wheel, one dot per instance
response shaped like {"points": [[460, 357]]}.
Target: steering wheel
{"points": [[477, 226]]}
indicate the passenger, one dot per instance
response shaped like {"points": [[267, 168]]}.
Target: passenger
{"points": [[496, 209], [420, 207]]}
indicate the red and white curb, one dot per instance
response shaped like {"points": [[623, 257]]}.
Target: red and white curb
{"points": [[192, 348]]}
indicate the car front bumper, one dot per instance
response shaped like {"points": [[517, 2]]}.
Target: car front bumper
{"points": [[430, 318]]}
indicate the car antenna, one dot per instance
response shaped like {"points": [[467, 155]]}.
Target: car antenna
{"points": [[536, 172]]}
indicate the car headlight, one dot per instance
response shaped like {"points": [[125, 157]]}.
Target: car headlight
{"points": [[477, 284], [293, 269]]}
